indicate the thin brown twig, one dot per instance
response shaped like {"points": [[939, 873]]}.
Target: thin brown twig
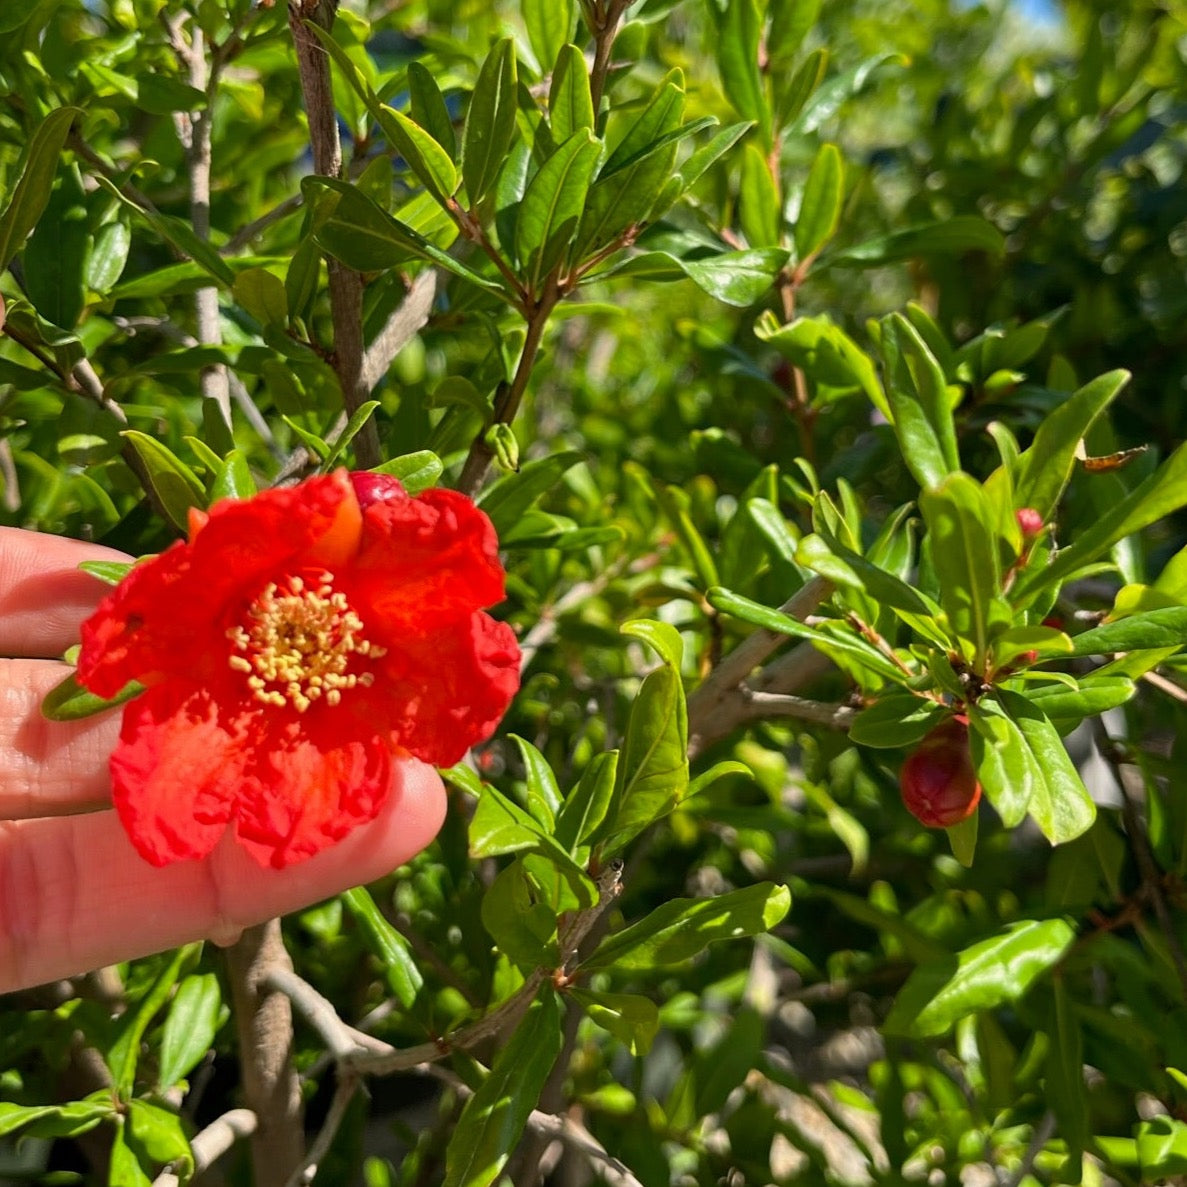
{"points": [[344, 1093]]}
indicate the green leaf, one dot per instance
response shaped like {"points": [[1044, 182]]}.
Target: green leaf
{"points": [[171, 481], [51, 1121], [1067, 707], [177, 232], [773, 620], [629, 1017], [111, 572], [544, 797], [506, 500], [388, 946], [820, 208], [1005, 766], [682, 928], [428, 108], [490, 121], [953, 236], [1061, 805], [69, 701], [675, 504], [825, 353], [194, 1017], [123, 1054], [895, 720], [55, 256], [1065, 1088], [124, 1168], [760, 213], [986, 975], [552, 206], [550, 24], [493, 1119], [354, 426], [920, 406], [262, 294], [32, 190], [585, 807], [965, 555], [519, 923], [1161, 494], [801, 85], [737, 278], [1162, 1147], [233, 479], [1042, 472], [570, 104], [1166, 627], [365, 237], [416, 471], [739, 31], [158, 1137], [426, 158]]}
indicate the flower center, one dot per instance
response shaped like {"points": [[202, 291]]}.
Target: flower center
{"points": [[298, 644]]}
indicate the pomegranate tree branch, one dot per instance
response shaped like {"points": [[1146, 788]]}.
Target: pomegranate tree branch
{"points": [[346, 285], [264, 1024]]}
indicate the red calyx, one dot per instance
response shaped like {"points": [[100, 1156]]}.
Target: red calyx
{"points": [[1030, 521], [938, 783], [370, 487]]}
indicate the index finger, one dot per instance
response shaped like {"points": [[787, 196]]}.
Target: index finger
{"points": [[44, 596]]}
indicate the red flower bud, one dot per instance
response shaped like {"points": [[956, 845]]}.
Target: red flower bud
{"points": [[370, 487], [938, 783], [1030, 521]]}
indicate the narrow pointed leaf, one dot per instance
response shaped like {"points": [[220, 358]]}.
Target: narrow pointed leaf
{"points": [[490, 121]]}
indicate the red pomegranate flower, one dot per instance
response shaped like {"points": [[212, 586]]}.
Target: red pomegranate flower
{"points": [[290, 648]]}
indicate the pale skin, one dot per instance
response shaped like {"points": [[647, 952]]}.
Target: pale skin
{"points": [[74, 894]]}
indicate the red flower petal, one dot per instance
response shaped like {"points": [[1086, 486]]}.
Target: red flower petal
{"points": [[446, 690], [306, 786], [425, 561], [176, 771]]}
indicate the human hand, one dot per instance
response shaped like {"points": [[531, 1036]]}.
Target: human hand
{"points": [[74, 894]]}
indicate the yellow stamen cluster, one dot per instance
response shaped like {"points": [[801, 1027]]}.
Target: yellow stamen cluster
{"points": [[299, 643]]}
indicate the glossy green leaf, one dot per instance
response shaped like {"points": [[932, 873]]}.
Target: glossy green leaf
{"points": [[735, 277], [827, 99], [354, 426], [629, 1017], [965, 555], [32, 191], [825, 353], [750, 611], [585, 807], [426, 158], [917, 387], [986, 975], [798, 86], [552, 206], [1042, 472], [158, 1137], [55, 256], [123, 1055], [522, 926], [544, 797], [490, 121], [233, 478], [110, 572], [820, 207], [51, 1121], [760, 213], [493, 1119], [953, 236], [416, 471], [262, 294], [428, 108], [896, 719], [1166, 627], [682, 928], [1006, 768], [367, 238], [1060, 805], [661, 637], [124, 1167], [1067, 707], [570, 104], [506, 500], [194, 1017], [739, 31], [172, 482], [550, 24], [400, 970], [652, 771], [1162, 1147]]}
